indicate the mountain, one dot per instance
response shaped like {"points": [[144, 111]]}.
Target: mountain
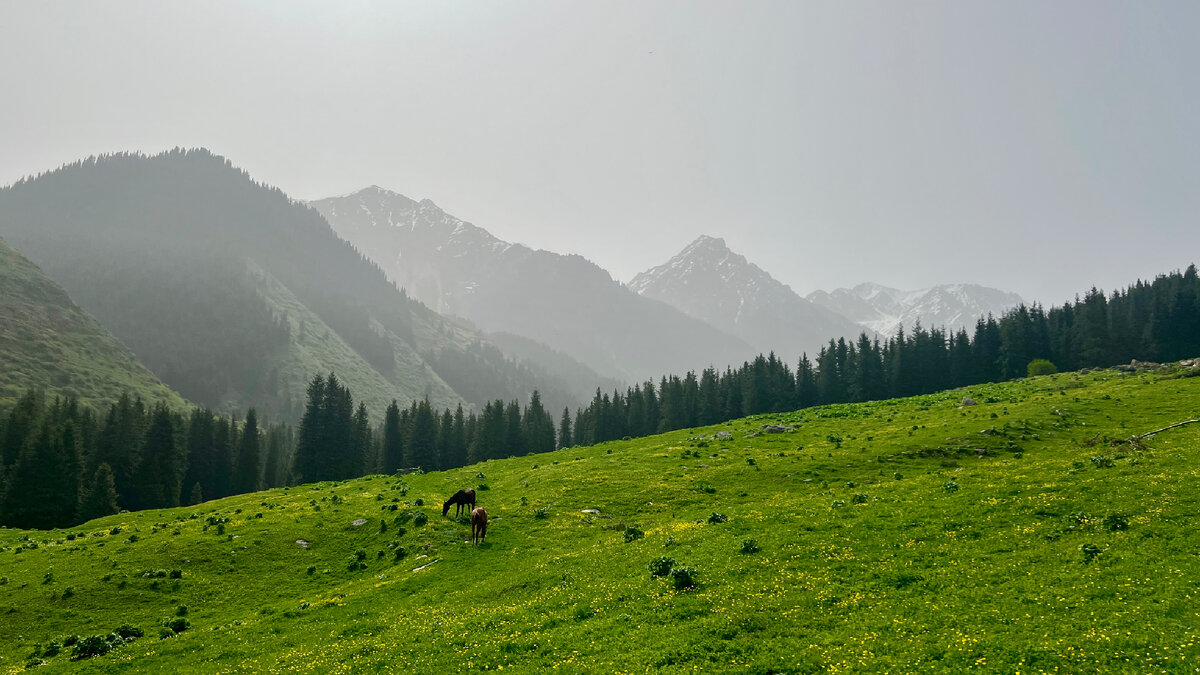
{"points": [[884, 309], [48, 342], [236, 295], [708, 281], [564, 301]]}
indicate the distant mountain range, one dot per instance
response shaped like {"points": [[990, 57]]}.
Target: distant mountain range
{"points": [[884, 309], [47, 342], [708, 281], [564, 301], [236, 295]]}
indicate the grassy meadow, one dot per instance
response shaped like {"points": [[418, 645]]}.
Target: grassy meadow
{"points": [[909, 535]]}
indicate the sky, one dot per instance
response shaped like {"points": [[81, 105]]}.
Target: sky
{"points": [[1042, 148]]}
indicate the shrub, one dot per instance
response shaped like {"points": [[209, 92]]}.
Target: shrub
{"points": [[399, 553], [1090, 551], [683, 578], [312, 569], [419, 502], [1040, 367], [176, 574], [661, 566], [543, 512], [181, 610], [179, 624], [1116, 522], [633, 534], [837, 504], [716, 518], [750, 461], [1103, 462], [483, 486], [93, 645], [420, 519], [749, 546], [861, 498], [950, 486], [705, 488]]}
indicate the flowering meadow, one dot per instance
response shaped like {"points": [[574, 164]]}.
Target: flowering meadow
{"points": [[1025, 533]]}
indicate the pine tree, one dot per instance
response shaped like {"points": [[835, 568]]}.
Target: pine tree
{"points": [[564, 429], [246, 476], [157, 482], [423, 446], [100, 496], [393, 442]]}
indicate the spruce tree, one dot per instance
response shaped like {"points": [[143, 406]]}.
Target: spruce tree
{"points": [[393, 442], [157, 482], [100, 496], [246, 476], [564, 429]]}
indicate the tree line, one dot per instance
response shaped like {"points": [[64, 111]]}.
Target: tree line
{"points": [[1149, 321], [62, 464]]}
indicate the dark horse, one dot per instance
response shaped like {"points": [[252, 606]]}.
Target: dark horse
{"points": [[478, 525], [460, 499]]}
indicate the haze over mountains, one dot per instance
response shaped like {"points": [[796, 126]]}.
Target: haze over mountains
{"points": [[884, 309], [708, 281], [236, 295], [47, 342], [565, 301]]}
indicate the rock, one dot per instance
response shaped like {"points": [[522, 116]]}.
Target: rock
{"points": [[724, 434], [776, 429], [967, 401], [302, 543], [1186, 363], [360, 522], [990, 432], [594, 512]]}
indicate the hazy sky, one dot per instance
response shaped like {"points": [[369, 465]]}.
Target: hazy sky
{"points": [[1040, 147]]}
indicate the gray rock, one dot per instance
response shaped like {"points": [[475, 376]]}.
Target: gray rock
{"points": [[724, 434], [776, 429], [967, 401], [302, 543], [594, 512], [360, 522]]}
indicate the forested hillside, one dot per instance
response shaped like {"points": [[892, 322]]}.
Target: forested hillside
{"points": [[47, 342], [235, 294]]}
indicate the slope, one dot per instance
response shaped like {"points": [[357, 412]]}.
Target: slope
{"points": [[710, 282], [564, 301], [48, 342], [900, 535]]}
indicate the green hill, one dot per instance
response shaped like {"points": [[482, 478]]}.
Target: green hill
{"points": [[908, 535], [48, 342]]}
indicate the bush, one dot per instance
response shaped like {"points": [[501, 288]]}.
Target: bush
{"points": [[717, 518], [950, 486], [1040, 367], [1116, 522], [861, 498], [93, 645], [420, 519], [543, 512], [483, 486], [1103, 462], [633, 534], [419, 502], [683, 578], [749, 546], [705, 488], [179, 624], [1090, 551], [661, 566]]}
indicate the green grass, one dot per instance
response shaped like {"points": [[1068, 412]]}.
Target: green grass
{"points": [[885, 542], [48, 342]]}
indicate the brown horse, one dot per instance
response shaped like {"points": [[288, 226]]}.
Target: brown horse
{"points": [[460, 499], [478, 525]]}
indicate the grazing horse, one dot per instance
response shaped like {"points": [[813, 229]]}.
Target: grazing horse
{"points": [[478, 525], [460, 499]]}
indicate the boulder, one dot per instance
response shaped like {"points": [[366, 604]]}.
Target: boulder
{"points": [[776, 429], [967, 401], [724, 434]]}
